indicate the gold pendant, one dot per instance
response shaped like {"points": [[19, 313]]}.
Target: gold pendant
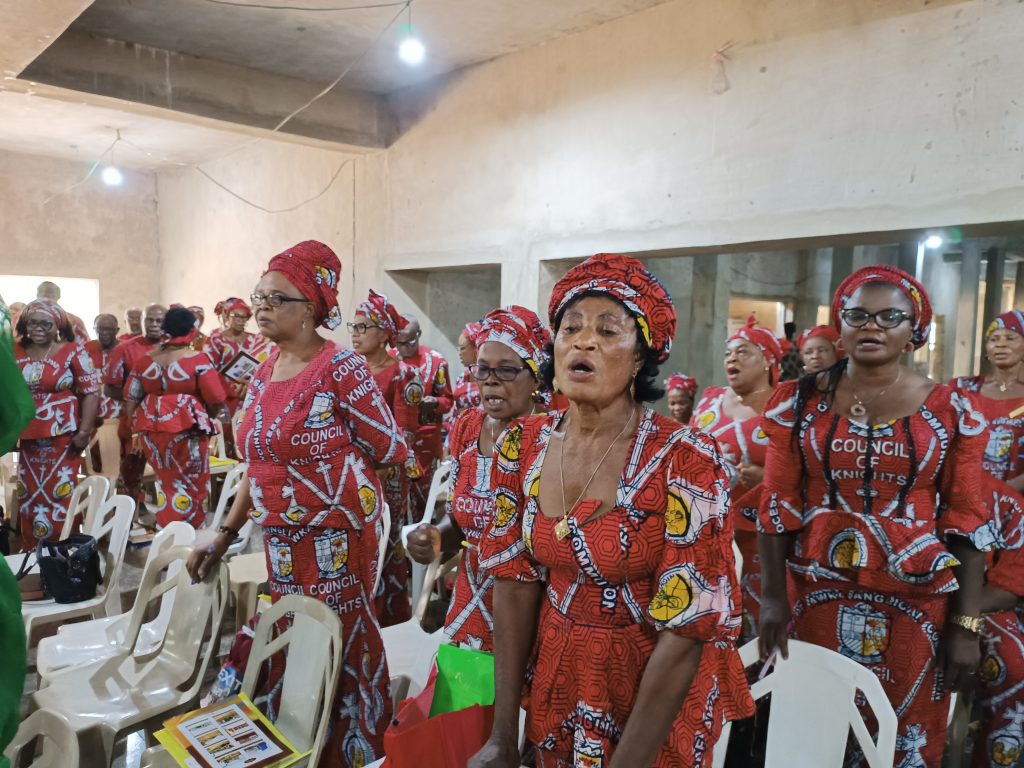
{"points": [[561, 529], [858, 410], [1002, 386]]}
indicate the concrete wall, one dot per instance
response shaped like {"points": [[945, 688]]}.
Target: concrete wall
{"points": [[92, 231], [214, 245]]}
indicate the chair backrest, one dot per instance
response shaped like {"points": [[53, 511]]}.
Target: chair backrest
{"points": [[193, 628], [738, 557], [410, 652], [382, 545], [110, 451], [176, 534], [434, 573], [89, 494], [814, 694], [313, 642], [233, 480], [438, 485], [110, 527], [50, 729]]}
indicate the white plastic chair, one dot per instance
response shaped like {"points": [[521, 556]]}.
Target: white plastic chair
{"points": [[813, 710], [51, 731], [438, 485], [382, 545], [738, 556], [313, 641], [112, 523], [89, 494], [232, 482], [410, 653], [110, 452], [87, 641], [106, 699], [435, 572]]}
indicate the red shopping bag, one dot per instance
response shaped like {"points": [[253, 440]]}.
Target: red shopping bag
{"points": [[415, 740]]}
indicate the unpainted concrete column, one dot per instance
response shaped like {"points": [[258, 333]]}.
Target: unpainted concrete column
{"points": [[995, 268], [709, 319], [967, 308]]}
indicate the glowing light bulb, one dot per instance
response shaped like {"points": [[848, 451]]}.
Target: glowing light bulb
{"points": [[411, 50], [933, 241], [111, 176]]}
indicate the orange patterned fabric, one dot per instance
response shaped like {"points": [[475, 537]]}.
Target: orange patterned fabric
{"points": [[661, 560]]}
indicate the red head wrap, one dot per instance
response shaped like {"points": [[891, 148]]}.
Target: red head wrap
{"points": [[626, 280], [883, 273], [383, 314], [770, 345], [826, 332], [315, 270], [520, 330], [1008, 321], [229, 305], [471, 332], [51, 309], [677, 380]]}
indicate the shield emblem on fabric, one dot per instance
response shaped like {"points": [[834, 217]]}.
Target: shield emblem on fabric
{"points": [[281, 559], [321, 411], [331, 548], [863, 633]]}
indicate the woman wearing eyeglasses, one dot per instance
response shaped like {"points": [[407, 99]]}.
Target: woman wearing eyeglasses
{"points": [[872, 493], [1001, 397], [732, 415], [65, 387], [511, 348], [314, 433], [373, 329], [231, 338]]}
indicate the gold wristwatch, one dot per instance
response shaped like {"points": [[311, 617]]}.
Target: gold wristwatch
{"points": [[967, 622]]}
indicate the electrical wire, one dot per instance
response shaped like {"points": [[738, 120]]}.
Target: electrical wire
{"points": [[260, 6], [88, 175], [317, 196]]}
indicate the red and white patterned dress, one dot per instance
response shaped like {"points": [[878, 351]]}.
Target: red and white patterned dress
{"points": [[48, 466], [429, 445], [109, 407], [465, 395], [1001, 693], [222, 351], [172, 418], [739, 441], [403, 392], [311, 443], [119, 365], [471, 506], [660, 560], [872, 507]]}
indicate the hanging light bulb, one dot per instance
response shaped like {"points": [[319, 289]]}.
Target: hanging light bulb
{"points": [[933, 241], [410, 48], [111, 176]]}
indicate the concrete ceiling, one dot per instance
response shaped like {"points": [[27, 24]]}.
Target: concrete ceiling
{"points": [[317, 46]]}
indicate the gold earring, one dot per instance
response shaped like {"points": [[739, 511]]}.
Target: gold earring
{"points": [[554, 386], [303, 325]]}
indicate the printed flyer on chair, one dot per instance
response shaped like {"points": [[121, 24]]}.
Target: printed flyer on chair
{"points": [[228, 734]]}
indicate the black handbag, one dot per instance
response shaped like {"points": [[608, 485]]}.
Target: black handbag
{"points": [[70, 569]]}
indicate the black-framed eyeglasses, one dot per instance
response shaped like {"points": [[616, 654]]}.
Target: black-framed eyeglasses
{"points": [[482, 372], [360, 328], [274, 300], [41, 324], [884, 318]]}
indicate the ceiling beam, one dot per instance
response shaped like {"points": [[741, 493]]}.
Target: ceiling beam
{"points": [[211, 89], [29, 26]]}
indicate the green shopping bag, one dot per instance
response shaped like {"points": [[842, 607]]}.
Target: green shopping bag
{"points": [[464, 678]]}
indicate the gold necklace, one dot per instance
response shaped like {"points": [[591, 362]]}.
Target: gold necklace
{"points": [[1005, 384], [755, 392], [562, 526], [35, 375], [859, 409]]}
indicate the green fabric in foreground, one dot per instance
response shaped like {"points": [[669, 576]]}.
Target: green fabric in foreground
{"points": [[464, 678], [16, 405], [13, 652]]}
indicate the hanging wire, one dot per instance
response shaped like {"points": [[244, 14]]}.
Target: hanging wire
{"points": [[405, 4], [260, 6]]}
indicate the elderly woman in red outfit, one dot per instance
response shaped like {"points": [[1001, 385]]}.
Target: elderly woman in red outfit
{"points": [[872, 492], [1001, 398], [169, 398], [227, 341], [615, 579], [466, 391], [315, 431], [373, 329], [65, 387], [819, 348], [681, 391], [732, 415], [512, 348]]}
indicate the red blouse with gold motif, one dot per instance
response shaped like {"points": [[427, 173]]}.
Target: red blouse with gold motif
{"points": [[57, 383], [174, 398]]}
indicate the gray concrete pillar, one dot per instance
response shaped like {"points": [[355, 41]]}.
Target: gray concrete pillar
{"points": [[967, 308], [709, 319]]}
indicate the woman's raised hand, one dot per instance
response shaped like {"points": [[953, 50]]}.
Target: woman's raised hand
{"points": [[424, 544]]}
